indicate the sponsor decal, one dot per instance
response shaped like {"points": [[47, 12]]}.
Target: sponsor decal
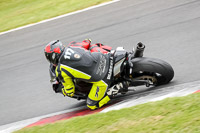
{"points": [[110, 68], [102, 65]]}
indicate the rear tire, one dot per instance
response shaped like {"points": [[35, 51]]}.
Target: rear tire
{"points": [[159, 69]]}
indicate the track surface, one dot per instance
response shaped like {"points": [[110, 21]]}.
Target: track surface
{"points": [[170, 29]]}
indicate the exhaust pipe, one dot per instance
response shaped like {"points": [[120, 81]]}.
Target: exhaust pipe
{"points": [[139, 50]]}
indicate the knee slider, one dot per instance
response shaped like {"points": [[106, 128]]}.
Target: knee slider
{"points": [[92, 104]]}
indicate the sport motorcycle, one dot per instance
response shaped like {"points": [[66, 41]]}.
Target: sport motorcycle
{"points": [[133, 68]]}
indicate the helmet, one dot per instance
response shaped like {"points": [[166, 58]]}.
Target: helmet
{"points": [[53, 51]]}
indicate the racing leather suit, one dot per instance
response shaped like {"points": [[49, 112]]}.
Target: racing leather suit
{"points": [[76, 62]]}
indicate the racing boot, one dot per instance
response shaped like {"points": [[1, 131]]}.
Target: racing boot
{"points": [[120, 87]]}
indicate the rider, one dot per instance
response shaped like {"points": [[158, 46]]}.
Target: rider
{"points": [[86, 62]]}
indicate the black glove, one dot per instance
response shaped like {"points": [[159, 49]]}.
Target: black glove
{"points": [[57, 87]]}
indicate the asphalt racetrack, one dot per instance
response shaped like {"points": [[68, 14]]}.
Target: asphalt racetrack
{"points": [[169, 29]]}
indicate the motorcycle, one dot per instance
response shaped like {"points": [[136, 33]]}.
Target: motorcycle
{"points": [[134, 68]]}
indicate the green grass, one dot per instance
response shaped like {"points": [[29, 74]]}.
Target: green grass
{"points": [[16, 13], [172, 115]]}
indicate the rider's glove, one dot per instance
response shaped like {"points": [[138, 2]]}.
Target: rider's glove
{"points": [[68, 92], [57, 87]]}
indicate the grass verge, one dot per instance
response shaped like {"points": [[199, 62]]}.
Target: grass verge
{"points": [[180, 115], [16, 13]]}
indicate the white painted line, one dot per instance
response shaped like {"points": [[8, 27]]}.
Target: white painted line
{"points": [[61, 16], [17, 125], [181, 90], [8, 128], [180, 93]]}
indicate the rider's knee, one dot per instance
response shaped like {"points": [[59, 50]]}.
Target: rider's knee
{"points": [[91, 104], [97, 104]]}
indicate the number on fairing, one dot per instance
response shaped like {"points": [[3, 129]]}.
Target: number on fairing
{"points": [[68, 53]]}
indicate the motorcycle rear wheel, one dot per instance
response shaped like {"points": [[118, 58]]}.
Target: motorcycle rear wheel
{"points": [[156, 70]]}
